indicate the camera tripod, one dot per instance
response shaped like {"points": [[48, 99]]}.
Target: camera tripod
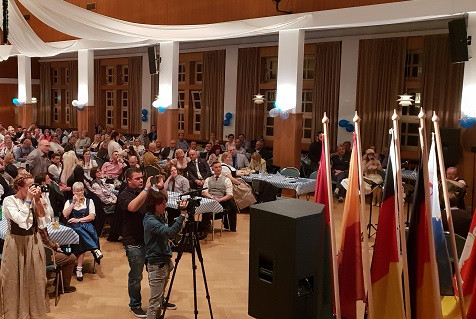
{"points": [[190, 237]]}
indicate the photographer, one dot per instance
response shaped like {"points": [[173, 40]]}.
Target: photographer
{"points": [[23, 265], [158, 252]]}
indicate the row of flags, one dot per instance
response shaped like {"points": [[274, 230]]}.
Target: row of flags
{"points": [[410, 274]]}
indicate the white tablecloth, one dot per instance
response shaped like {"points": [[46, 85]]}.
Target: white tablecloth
{"points": [[300, 185], [207, 205], [62, 235]]}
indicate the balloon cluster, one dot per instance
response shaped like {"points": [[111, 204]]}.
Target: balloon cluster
{"points": [[467, 121], [227, 120], [78, 105], [349, 127], [157, 105], [144, 113], [16, 101], [274, 112]]}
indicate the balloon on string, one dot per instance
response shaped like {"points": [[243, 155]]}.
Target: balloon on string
{"points": [[144, 118], [349, 127], [226, 122], [161, 109], [75, 103], [228, 116], [144, 112], [274, 112], [15, 101], [343, 123], [467, 121], [284, 115]]}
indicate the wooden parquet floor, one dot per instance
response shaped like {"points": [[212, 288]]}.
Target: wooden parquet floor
{"points": [[104, 294]]}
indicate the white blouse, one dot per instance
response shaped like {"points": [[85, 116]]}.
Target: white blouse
{"points": [[16, 210], [92, 209], [45, 220]]}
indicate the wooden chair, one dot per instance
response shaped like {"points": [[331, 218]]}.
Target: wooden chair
{"points": [[52, 267]]}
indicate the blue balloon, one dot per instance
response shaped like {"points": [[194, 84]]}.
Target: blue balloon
{"points": [[144, 118], [467, 121], [80, 107], [349, 127], [343, 123], [228, 116], [144, 112], [15, 101], [226, 122], [161, 109]]}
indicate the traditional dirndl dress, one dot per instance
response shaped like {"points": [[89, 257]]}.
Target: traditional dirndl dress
{"points": [[88, 238]]}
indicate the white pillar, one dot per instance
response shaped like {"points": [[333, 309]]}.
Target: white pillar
{"points": [[231, 76], [86, 77], [348, 85], [24, 79], [468, 101], [290, 62], [168, 76], [146, 101]]}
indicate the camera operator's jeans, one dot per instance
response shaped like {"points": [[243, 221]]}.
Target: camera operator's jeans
{"points": [[136, 257], [158, 278]]}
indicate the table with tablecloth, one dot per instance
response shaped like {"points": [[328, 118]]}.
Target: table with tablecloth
{"points": [[207, 205], [62, 235], [300, 185]]}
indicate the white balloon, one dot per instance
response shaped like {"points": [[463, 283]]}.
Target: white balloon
{"points": [[75, 103], [284, 115], [273, 112]]}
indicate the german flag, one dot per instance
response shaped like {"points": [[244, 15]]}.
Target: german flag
{"points": [[422, 268], [351, 277], [386, 271]]}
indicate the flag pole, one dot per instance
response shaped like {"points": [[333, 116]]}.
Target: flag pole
{"points": [[365, 250], [424, 159], [325, 122], [403, 241], [449, 217]]}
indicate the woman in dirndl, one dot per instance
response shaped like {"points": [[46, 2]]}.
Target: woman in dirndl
{"points": [[23, 269], [80, 212]]}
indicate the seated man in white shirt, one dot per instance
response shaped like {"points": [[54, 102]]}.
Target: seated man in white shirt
{"points": [[220, 188], [55, 168]]}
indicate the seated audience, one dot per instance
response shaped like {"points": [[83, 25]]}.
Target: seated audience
{"points": [[103, 148], [94, 147], [169, 152], [193, 146], [45, 136], [240, 149], [153, 133], [242, 192], [71, 145], [80, 213], [7, 146], [103, 190], [246, 143], [259, 147], [372, 171], [239, 160], [88, 163], [197, 170], [214, 154], [55, 145], [257, 164], [24, 150], [206, 152], [176, 182], [133, 161], [139, 148], [55, 167], [180, 161], [340, 170], [182, 143], [69, 163], [456, 189], [227, 168], [113, 168], [55, 194], [144, 138], [10, 168], [230, 142]]}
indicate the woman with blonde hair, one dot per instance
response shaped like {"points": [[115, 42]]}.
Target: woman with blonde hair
{"points": [[257, 164], [69, 163], [22, 275], [180, 161]]}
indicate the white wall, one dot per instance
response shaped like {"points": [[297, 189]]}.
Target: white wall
{"points": [[231, 76]]}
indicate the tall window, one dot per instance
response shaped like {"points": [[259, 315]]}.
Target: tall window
{"points": [[66, 75], [181, 72], [409, 124], [271, 71], [56, 106], [125, 74], [197, 110], [110, 74], [61, 94], [181, 111], [110, 108], [270, 96], [413, 66], [307, 99], [125, 109], [198, 72], [67, 106], [308, 68], [55, 76]]}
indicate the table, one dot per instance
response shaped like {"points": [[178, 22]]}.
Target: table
{"points": [[300, 185], [410, 175], [62, 235], [207, 205]]}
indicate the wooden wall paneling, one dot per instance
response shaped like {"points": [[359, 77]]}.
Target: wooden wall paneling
{"points": [[102, 7], [7, 93], [9, 68], [134, 11], [199, 11], [177, 12], [7, 115], [223, 10], [249, 9], [287, 141], [157, 12]]}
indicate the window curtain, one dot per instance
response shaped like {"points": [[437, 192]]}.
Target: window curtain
{"points": [[135, 94], [73, 88], [45, 105], [99, 108], [154, 82], [326, 88], [380, 79], [249, 116], [213, 93], [442, 82]]}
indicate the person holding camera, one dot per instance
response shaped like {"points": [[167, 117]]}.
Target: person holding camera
{"points": [[158, 252], [22, 275]]}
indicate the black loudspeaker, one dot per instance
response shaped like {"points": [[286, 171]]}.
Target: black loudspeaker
{"points": [[458, 40], [152, 60], [286, 259], [451, 143]]}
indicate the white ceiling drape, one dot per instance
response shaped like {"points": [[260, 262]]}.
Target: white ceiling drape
{"points": [[24, 39], [81, 23]]}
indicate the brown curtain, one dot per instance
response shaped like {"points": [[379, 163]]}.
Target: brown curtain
{"points": [[380, 80], [44, 111], [135, 94], [99, 109], [442, 82], [154, 82], [326, 87], [249, 116], [213, 93], [73, 88]]}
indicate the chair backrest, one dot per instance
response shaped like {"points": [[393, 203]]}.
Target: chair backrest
{"points": [[313, 175], [150, 171], [460, 241], [290, 171], [50, 262]]}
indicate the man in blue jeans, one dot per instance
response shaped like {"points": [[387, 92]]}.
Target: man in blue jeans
{"points": [[131, 201]]}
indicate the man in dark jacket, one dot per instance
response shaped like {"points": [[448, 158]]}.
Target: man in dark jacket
{"points": [[197, 170]]}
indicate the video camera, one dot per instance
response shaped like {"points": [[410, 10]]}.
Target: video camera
{"points": [[44, 188], [193, 201]]}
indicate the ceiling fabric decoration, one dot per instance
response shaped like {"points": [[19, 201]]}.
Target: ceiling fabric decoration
{"points": [[81, 23], [24, 39]]}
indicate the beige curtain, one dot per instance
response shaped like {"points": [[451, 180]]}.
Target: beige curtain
{"points": [[154, 82], [380, 80], [213, 93], [249, 116], [442, 81], [73, 88], [44, 110], [135, 94], [326, 87]]}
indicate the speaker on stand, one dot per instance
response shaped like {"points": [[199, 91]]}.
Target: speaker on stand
{"points": [[458, 40], [152, 60]]}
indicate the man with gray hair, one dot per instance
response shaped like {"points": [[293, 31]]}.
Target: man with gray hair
{"points": [[38, 160]]}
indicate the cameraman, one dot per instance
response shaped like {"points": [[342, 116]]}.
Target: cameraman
{"points": [[158, 252]]}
